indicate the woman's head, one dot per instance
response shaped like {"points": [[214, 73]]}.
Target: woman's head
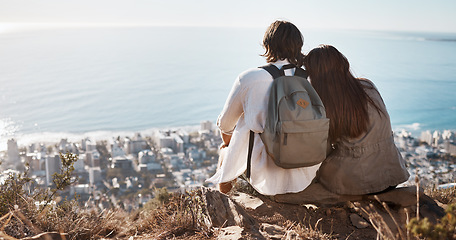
{"points": [[343, 95], [283, 40], [335, 63]]}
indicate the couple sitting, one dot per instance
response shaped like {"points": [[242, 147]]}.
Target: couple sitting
{"points": [[363, 158]]}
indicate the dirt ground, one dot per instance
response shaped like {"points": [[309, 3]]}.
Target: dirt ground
{"points": [[332, 220]]}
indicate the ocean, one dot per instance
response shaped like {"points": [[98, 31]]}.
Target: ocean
{"points": [[86, 81]]}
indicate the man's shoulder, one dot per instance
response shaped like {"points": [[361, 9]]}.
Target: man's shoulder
{"points": [[254, 74]]}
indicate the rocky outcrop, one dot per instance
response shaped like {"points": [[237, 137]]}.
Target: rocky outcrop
{"points": [[223, 211], [244, 216]]}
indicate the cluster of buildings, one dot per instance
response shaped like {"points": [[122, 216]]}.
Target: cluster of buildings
{"points": [[431, 158], [123, 171]]}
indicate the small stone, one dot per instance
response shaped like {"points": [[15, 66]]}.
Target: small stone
{"points": [[310, 206], [272, 231], [230, 233], [291, 235], [247, 201], [358, 221]]}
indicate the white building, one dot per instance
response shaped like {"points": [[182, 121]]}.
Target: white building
{"points": [[170, 139], [135, 145], [117, 150], [64, 146], [94, 175], [448, 135], [450, 148], [90, 146], [146, 156], [437, 137], [79, 164], [93, 158], [184, 136], [13, 152], [426, 136], [53, 165], [206, 126]]}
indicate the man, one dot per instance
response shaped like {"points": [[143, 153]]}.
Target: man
{"points": [[245, 110]]}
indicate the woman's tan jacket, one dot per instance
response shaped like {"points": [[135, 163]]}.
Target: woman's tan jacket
{"points": [[369, 163]]}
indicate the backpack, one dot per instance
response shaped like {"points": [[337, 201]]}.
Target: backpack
{"points": [[296, 130]]}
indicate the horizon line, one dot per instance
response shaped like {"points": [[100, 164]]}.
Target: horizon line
{"points": [[29, 26]]}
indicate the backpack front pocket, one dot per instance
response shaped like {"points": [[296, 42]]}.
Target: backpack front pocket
{"points": [[302, 143]]}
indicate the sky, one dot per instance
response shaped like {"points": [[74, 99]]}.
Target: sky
{"points": [[396, 15]]}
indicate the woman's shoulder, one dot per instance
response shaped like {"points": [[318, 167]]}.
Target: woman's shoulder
{"points": [[366, 82], [372, 91], [369, 86]]}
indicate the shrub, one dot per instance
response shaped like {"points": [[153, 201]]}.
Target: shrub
{"points": [[445, 229], [22, 216]]}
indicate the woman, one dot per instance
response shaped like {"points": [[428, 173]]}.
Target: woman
{"points": [[364, 159], [245, 110]]}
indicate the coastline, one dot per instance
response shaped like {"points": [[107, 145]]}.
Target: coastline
{"points": [[24, 139]]}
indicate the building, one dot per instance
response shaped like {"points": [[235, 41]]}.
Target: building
{"points": [[93, 158], [170, 139], [64, 146], [122, 163], [117, 150], [146, 156], [448, 135], [13, 152], [152, 167], [79, 164], [135, 145], [53, 165], [450, 148], [206, 126], [426, 136], [94, 176], [437, 138]]}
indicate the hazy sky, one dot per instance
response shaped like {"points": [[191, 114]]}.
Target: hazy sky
{"points": [[411, 15]]}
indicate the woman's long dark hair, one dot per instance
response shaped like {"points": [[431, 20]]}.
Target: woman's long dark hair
{"points": [[283, 40], [343, 95]]}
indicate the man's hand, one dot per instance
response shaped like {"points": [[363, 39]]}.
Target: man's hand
{"points": [[226, 140], [226, 186]]}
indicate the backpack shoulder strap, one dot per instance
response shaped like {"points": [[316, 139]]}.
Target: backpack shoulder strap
{"points": [[249, 155], [273, 70], [301, 73]]}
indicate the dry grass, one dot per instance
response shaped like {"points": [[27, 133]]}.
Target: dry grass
{"points": [[445, 196], [180, 218], [310, 232], [414, 226]]}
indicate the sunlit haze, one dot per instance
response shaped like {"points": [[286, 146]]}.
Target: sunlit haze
{"points": [[406, 15]]}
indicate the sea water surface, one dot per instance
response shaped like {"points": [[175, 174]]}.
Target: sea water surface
{"points": [[76, 81]]}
